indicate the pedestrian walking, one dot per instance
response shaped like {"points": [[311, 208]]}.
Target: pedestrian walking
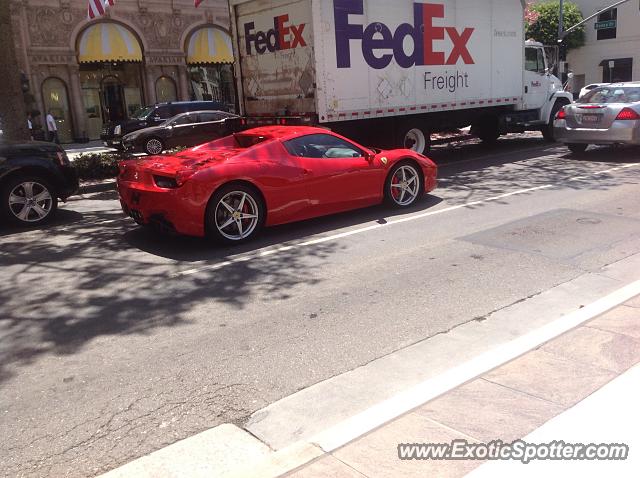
{"points": [[30, 126], [53, 128]]}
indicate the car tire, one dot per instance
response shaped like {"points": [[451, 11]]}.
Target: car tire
{"points": [[547, 132], [223, 218], [28, 200], [153, 146], [577, 148], [404, 185]]}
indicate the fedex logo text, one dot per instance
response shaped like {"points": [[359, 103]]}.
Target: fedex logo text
{"points": [[281, 37], [380, 45]]}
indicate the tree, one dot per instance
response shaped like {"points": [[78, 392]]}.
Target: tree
{"points": [[542, 23], [13, 117]]}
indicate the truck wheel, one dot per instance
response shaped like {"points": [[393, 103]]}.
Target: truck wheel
{"points": [[486, 129], [547, 131], [415, 139]]}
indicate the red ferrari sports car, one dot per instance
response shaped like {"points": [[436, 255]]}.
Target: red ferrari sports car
{"points": [[231, 187]]}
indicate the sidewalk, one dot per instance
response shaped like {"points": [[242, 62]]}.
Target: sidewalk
{"points": [[545, 395], [76, 149]]}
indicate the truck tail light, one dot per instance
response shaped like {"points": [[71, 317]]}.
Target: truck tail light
{"points": [[627, 114], [561, 114]]}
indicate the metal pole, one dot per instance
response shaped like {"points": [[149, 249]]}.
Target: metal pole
{"points": [[561, 20]]}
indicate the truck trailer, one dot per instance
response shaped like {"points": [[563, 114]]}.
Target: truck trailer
{"points": [[393, 72]]}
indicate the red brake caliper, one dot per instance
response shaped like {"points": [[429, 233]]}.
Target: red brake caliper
{"points": [[395, 191]]}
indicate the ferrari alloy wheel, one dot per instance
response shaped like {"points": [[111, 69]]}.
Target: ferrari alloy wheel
{"points": [[153, 146], [235, 214], [404, 185], [28, 201]]}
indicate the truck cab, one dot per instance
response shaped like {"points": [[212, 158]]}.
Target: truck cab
{"points": [[540, 85]]}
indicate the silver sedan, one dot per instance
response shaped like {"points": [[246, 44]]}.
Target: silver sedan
{"points": [[609, 114]]}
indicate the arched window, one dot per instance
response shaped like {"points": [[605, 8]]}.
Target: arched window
{"points": [[56, 101], [110, 57], [210, 63], [166, 90]]}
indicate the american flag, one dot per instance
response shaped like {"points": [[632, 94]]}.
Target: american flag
{"points": [[97, 8]]}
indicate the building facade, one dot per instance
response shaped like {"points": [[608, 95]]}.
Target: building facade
{"points": [[612, 49], [88, 72]]}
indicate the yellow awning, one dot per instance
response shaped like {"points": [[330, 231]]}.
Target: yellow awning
{"points": [[108, 42], [209, 45]]}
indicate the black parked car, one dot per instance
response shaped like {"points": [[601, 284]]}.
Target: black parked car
{"points": [[186, 129], [154, 115], [33, 176]]}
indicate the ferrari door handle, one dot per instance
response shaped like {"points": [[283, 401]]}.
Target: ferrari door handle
{"points": [[306, 171]]}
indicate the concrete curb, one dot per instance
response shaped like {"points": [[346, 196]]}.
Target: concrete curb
{"points": [[97, 187]]}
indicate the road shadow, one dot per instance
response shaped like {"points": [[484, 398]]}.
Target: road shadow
{"points": [[548, 167], [63, 217], [65, 287], [193, 249]]}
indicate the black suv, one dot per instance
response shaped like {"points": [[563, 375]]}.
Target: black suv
{"points": [[148, 116], [33, 176]]}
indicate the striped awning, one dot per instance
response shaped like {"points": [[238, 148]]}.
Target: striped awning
{"points": [[209, 45], [108, 42]]}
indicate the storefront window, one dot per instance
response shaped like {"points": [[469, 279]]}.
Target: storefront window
{"points": [[166, 90], [110, 92], [56, 101], [213, 82]]}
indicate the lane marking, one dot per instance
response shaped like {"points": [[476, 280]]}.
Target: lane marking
{"points": [[333, 237]]}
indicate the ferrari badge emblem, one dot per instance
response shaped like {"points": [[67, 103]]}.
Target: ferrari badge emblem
{"points": [[384, 160]]}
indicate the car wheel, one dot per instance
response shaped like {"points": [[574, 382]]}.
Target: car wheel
{"points": [[415, 139], [153, 146], [404, 185], [547, 132], [28, 200], [235, 214], [577, 148]]}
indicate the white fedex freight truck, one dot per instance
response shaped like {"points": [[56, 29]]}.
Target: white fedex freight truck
{"points": [[394, 71]]}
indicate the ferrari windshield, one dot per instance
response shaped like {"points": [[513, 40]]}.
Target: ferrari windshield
{"points": [[612, 94]]}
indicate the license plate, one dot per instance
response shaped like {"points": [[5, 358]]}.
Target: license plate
{"points": [[591, 118]]}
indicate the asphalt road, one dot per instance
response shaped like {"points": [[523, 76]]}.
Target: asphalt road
{"points": [[117, 342]]}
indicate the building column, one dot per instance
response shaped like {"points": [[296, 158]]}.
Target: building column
{"points": [[151, 85], [77, 104], [183, 83]]}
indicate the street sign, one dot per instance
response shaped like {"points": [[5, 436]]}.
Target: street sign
{"points": [[606, 24]]}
